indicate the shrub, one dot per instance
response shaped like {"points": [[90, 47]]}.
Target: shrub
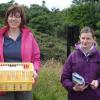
{"points": [[48, 86], [51, 47]]}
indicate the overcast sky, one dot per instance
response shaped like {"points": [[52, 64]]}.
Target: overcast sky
{"points": [[61, 4]]}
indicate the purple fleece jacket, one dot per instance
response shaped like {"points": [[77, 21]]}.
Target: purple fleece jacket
{"points": [[86, 66]]}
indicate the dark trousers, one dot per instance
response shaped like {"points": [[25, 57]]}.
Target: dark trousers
{"points": [[17, 96]]}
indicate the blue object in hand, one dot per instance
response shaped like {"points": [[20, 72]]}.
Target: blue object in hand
{"points": [[77, 79]]}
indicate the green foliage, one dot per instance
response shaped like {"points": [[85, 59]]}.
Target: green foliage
{"points": [[98, 25], [98, 36], [83, 15], [49, 86], [41, 23], [49, 22], [51, 47], [4, 6], [39, 19], [58, 21], [36, 10], [77, 2], [1, 22]]}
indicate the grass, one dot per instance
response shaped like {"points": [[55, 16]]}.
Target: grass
{"points": [[48, 86]]}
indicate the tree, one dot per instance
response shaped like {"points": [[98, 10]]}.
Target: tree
{"points": [[4, 6], [42, 24], [77, 2], [84, 14]]}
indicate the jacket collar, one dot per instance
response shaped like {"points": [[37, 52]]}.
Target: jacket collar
{"points": [[24, 30], [3, 30], [92, 50]]}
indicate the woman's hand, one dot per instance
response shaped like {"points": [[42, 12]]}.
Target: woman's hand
{"points": [[33, 81], [79, 87], [94, 84], [35, 77]]}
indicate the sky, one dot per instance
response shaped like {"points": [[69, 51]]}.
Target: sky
{"points": [[61, 4]]}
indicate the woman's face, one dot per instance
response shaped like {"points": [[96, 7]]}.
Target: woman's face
{"points": [[14, 20], [86, 40]]}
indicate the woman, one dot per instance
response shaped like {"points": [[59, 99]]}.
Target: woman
{"points": [[17, 44], [85, 62]]}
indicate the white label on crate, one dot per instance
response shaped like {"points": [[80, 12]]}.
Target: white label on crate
{"points": [[7, 68]]}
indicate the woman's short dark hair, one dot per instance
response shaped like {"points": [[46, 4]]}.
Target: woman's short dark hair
{"points": [[16, 9], [87, 29]]}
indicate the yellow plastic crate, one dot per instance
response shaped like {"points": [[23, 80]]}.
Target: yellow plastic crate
{"points": [[16, 76]]}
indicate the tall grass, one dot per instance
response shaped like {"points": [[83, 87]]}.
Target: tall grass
{"points": [[48, 86]]}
